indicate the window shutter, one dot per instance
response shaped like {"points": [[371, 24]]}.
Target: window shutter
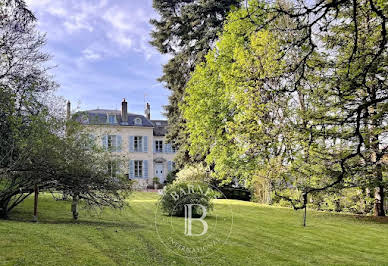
{"points": [[164, 147], [154, 146], [145, 144], [169, 166], [119, 143], [131, 143], [169, 148], [145, 169], [118, 168], [105, 142], [131, 169]]}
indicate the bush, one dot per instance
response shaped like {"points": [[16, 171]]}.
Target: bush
{"points": [[192, 173], [155, 180], [171, 176], [236, 193], [177, 195]]}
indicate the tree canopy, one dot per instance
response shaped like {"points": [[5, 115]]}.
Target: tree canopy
{"points": [[38, 147], [295, 94], [186, 30]]}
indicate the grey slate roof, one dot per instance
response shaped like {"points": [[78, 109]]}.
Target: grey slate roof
{"points": [[100, 117], [160, 127]]}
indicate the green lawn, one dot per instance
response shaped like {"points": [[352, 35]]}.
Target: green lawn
{"points": [[260, 235]]}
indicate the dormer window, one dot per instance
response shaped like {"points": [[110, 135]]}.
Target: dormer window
{"points": [[112, 119], [138, 121], [84, 119]]}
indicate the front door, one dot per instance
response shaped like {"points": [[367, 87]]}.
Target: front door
{"points": [[159, 172]]}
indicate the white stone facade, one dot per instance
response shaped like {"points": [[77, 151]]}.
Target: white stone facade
{"points": [[137, 140]]}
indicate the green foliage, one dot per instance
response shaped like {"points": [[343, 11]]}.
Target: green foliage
{"points": [[37, 145], [225, 101], [186, 30], [177, 195], [294, 104], [171, 176], [192, 173]]}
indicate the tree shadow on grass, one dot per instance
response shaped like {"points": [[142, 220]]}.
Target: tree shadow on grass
{"points": [[372, 219], [26, 217]]}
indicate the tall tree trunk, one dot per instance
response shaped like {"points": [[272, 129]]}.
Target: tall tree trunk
{"points": [[4, 209], [376, 160], [379, 193], [36, 195], [74, 206]]}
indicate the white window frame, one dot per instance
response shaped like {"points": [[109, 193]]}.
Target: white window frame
{"points": [[138, 143], [138, 168], [112, 142], [137, 121], [85, 119], [160, 142], [113, 168]]}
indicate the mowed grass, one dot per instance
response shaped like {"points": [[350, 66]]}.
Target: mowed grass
{"points": [[260, 235]]}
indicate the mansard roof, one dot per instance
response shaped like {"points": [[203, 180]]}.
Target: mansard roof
{"points": [[160, 127], [101, 116]]}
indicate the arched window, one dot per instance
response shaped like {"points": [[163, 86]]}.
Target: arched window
{"points": [[137, 121], [84, 119]]}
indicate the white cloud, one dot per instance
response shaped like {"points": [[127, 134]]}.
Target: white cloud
{"points": [[77, 23], [118, 19], [91, 55], [121, 38], [118, 26], [37, 3]]}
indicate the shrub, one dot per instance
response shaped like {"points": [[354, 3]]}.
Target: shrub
{"points": [[171, 176], [177, 195], [192, 173]]}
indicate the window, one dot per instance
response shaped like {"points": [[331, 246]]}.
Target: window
{"points": [[112, 143], [112, 140], [173, 149], [112, 119], [113, 169], [158, 123], [170, 148], [138, 121], [138, 143], [170, 166], [84, 119], [158, 145], [138, 168]]}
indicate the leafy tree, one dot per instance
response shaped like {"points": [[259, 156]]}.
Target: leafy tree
{"points": [[222, 106], [295, 94], [186, 30], [342, 76], [34, 147]]}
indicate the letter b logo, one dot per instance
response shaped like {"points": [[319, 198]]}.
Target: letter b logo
{"points": [[189, 218]]}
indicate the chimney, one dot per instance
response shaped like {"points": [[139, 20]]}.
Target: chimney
{"points": [[147, 111], [124, 111], [68, 111]]}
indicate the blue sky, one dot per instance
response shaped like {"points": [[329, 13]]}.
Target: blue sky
{"points": [[101, 52]]}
